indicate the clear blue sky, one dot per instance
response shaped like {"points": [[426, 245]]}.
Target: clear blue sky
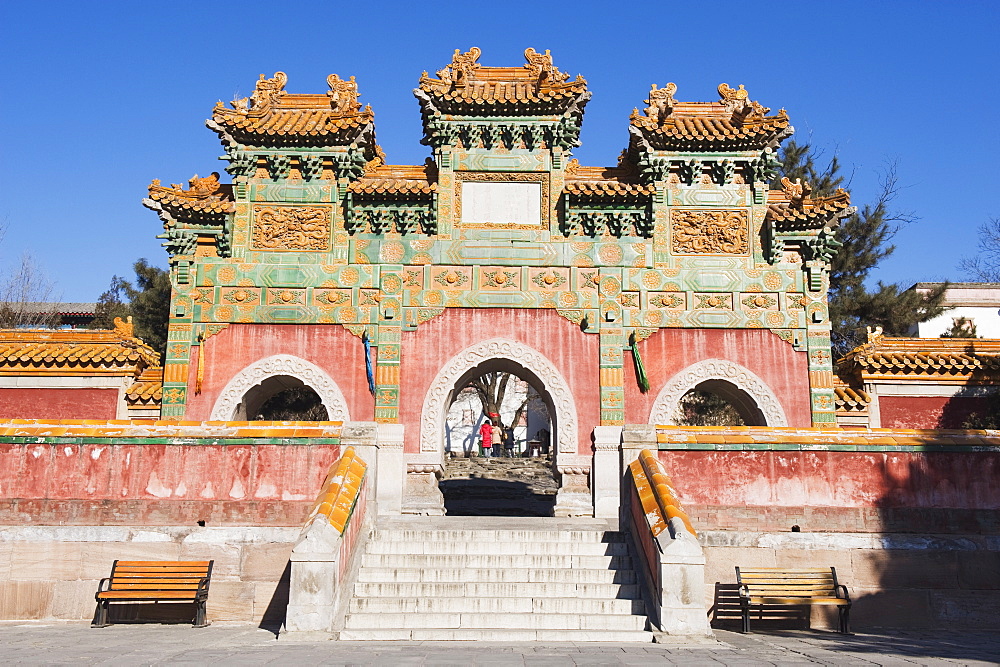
{"points": [[102, 97]]}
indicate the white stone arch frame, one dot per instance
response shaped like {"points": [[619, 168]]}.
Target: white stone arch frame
{"points": [[281, 364], [667, 401], [436, 402]]}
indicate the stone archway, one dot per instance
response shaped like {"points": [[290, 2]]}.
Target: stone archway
{"points": [[738, 384], [255, 374], [438, 398]]}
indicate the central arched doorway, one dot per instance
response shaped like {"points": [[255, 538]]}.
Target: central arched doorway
{"points": [[514, 477], [499, 355]]}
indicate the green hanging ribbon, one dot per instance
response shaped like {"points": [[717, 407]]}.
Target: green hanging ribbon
{"points": [[640, 370]]}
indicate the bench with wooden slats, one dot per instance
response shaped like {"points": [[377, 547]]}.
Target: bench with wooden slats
{"points": [[792, 587], [155, 581]]}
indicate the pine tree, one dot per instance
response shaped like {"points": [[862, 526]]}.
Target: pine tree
{"points": [[147, 301], [867, 236], [961, 327]]}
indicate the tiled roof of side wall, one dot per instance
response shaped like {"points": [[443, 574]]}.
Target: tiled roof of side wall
{"points": [[37, 430], [751, 438]]}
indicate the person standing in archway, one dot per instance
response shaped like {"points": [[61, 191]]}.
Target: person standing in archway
{"points": [[497, 437], [486, 435]]}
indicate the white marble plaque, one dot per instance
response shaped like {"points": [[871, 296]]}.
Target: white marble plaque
{"points": [[501, 204]]}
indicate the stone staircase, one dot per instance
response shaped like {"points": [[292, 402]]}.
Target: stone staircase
{"points": [[496, 579]]}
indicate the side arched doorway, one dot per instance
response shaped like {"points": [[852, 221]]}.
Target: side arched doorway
{"points": [[741, 388], [249, 389]]}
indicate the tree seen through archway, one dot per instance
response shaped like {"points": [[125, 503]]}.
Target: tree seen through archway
{"points": [[293, 404], [705, 408]]}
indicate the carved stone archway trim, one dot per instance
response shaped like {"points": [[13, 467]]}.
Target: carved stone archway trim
{"points": [[667, 401], [281, 364], [435, 408]]}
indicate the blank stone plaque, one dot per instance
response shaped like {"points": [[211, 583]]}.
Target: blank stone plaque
{"points": [[502, 204]]}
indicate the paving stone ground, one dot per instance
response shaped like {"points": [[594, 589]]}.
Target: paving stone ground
{"points": [[71, 644]]}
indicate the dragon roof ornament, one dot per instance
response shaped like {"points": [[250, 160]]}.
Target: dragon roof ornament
{"points": [[660, 101], [738, 102]]}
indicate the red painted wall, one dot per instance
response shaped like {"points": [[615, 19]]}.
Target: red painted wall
{"points": [[669, 351], [928, 411], [426, 350], [331, 347], [935, 492], [46, 403], [154, 484]]}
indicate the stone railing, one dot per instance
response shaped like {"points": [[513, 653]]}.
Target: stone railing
{"points": [[673, 561], [323, 555]]}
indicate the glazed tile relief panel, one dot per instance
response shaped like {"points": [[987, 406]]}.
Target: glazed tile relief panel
{"points": [[316, 228]]}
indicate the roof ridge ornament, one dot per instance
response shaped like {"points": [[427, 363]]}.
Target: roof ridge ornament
{"points": [[462, 66], [540, 65], [267, 91], [738, 102], [343, 94], [207, 188], [661, 102], [124, 329], [797, 191], [874, 336]]}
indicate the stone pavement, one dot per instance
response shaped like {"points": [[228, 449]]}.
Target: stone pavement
{"points": [[152, 644]]}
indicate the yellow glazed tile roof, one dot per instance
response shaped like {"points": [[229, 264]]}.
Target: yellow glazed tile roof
{"points": [[271, 112], [396, 179], [203, 195], [951, 360], [147, 390], [734, 121], [74, 352], [793, 207], [620, 182], [149, 428], [668, 434], [465, 85]]}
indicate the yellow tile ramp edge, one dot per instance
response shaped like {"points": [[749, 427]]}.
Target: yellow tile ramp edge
{"points": [[340, 490], [656, 493]]}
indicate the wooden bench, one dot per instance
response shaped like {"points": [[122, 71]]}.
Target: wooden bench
{"points": [[155, 581], [792, 587]]}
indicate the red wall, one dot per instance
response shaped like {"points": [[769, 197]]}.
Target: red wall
{"points": [[928, 411], [78, 403], [669, 351], [331, 347], [935, 492], [426, 350], [155, 484]]}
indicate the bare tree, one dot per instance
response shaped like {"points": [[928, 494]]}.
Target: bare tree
{"points": [[491, 389], [26, 297], [985, 267]]}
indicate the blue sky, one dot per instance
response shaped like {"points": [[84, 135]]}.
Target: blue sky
{"points": [[100, 98]]}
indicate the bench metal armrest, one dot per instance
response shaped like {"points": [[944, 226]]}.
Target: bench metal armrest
{"points": [[744, 592], [100, 585], [843, 589], [202, 591]]}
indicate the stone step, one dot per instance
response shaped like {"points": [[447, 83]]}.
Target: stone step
{"points": [[494, 575], [498, 535], [475, 621], [487, 548], [494, 561], [503, 635], [442, 605], [417, 522], [497, 590]]}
